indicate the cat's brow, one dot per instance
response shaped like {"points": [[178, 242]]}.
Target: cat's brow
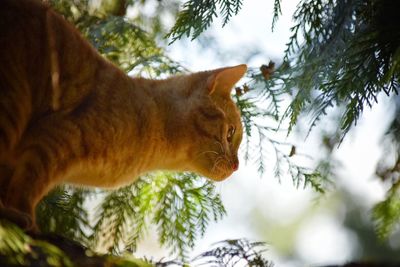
{"points": [[202, 131], [211, 114]]}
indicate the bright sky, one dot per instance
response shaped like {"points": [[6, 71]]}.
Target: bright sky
{"points": [[287, 215]]}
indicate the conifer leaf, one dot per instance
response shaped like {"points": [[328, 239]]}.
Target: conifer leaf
{"points": [[197, 16]]}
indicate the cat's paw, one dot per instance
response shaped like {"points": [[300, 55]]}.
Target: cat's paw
{"points": [[21, 219]]}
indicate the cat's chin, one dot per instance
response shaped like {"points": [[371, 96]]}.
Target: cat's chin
{"points": [[214, 174], [218, 177]]}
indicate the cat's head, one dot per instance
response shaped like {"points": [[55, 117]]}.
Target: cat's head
{"points": [[215, 121]]}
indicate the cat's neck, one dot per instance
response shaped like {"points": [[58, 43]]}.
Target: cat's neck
{"points": [[166, 105]]}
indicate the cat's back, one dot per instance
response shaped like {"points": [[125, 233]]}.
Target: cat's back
{"points": [[22, 57], [21, 7], [23, 43], [36, 45], [17, 10], [20, 19]]}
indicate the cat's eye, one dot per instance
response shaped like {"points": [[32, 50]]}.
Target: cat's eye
{"points": [[231, 132]]}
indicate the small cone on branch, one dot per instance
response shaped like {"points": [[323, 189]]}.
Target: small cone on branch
{"points": [[245, 88], [238, 91], [267, 70]]}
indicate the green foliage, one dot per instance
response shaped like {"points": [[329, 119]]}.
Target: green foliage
{"points": [[113, 221], [180, 205], [235, 252], [260, 101], [186, 211], [63, 211], [277, 12], [19, 249], [196, 16], [386, 214], [119, 40], [13, 243], [129, 47], [346, 58], [344, 54]]}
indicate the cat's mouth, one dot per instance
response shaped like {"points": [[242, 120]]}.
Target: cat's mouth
{"points": [[215, 166], [221, 171], [216, 174]]}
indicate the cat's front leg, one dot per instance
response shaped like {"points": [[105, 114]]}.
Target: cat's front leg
{"points": [[44, 154], [27, 186], [23, 220]]}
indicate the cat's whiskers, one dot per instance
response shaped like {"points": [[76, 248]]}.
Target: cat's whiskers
{"points": [[215, 165], [217, 162], [220, 145], [205, 152]]}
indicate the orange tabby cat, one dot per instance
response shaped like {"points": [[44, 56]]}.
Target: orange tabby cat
{"points": [[67, 115]]}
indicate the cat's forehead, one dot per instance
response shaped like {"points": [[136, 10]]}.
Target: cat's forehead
{"points": [[198, 82], [232, 113]]}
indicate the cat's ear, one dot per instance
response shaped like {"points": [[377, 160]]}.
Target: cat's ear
{"points": [[221, 81]]}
